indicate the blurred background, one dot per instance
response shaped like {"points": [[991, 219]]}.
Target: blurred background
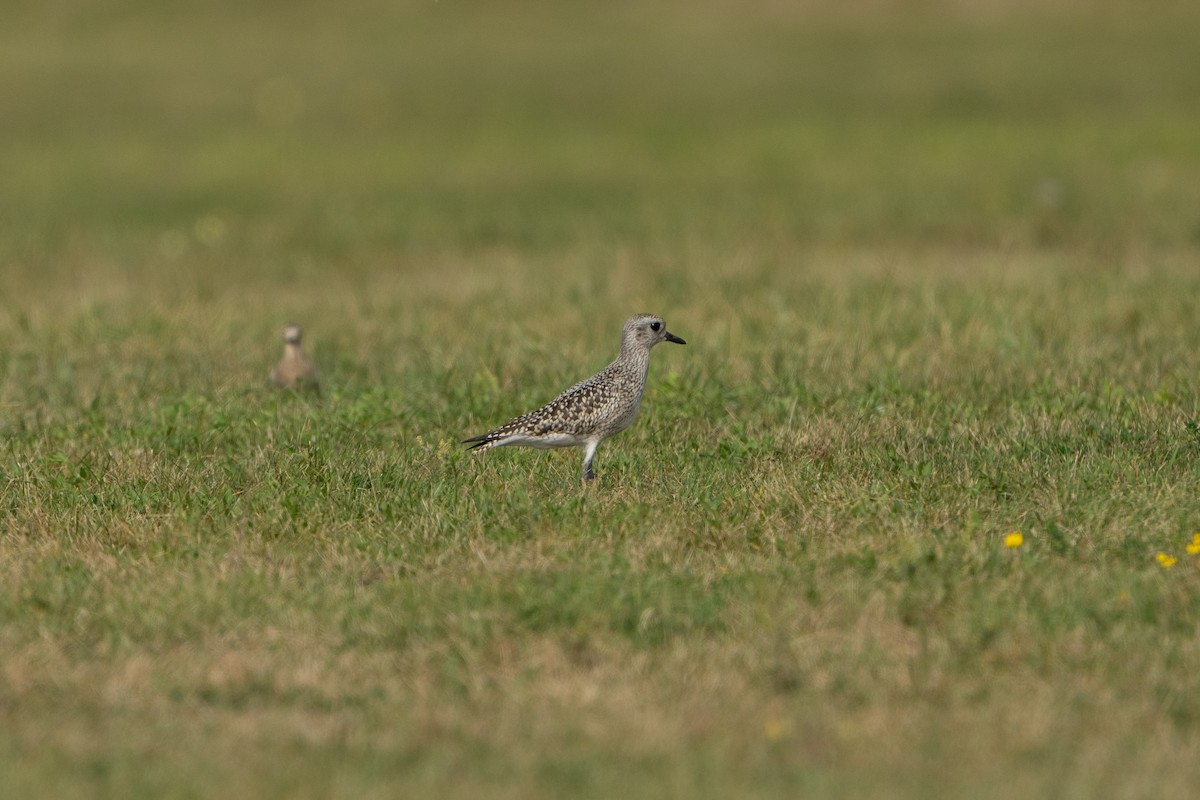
{"points": [[184, 178], [272, 141]]}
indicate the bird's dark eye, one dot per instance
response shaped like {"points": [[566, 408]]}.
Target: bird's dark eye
{"points": [[654, 326]]}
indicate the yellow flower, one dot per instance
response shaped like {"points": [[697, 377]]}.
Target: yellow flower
{"points": [[1194, 547], [1014, 539], [1166, 561]]}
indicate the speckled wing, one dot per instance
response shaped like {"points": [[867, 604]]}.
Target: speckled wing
{"points": [[578, 412]]}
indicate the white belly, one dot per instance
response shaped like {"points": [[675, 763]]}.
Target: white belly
{"points": [[545, 442]]}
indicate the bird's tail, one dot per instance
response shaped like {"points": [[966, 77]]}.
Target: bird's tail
{"points": [[483, 441]]}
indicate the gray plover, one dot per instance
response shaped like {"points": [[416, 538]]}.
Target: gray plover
{"points": [[591, 410], [295, 370]]}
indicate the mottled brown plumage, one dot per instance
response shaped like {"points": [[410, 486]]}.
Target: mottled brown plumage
{"points": [[591, 410]]}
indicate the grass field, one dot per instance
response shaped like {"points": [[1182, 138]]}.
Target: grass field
{"points": [[938, 269]]}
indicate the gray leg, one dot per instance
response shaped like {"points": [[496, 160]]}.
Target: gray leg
{"points": [[589, 452]]}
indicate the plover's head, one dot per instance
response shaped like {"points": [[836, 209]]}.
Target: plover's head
{"points": [[645, 331], [291, 334]]}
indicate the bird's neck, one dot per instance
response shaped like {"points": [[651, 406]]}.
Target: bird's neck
{"points": [[635, 357], [291, 350]]}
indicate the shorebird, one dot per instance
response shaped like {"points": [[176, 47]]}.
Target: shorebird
{"points": [[591, 410], [295, 370]]}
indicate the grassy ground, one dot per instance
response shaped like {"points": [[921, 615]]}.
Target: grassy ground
{"points": [[938, 274]]}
